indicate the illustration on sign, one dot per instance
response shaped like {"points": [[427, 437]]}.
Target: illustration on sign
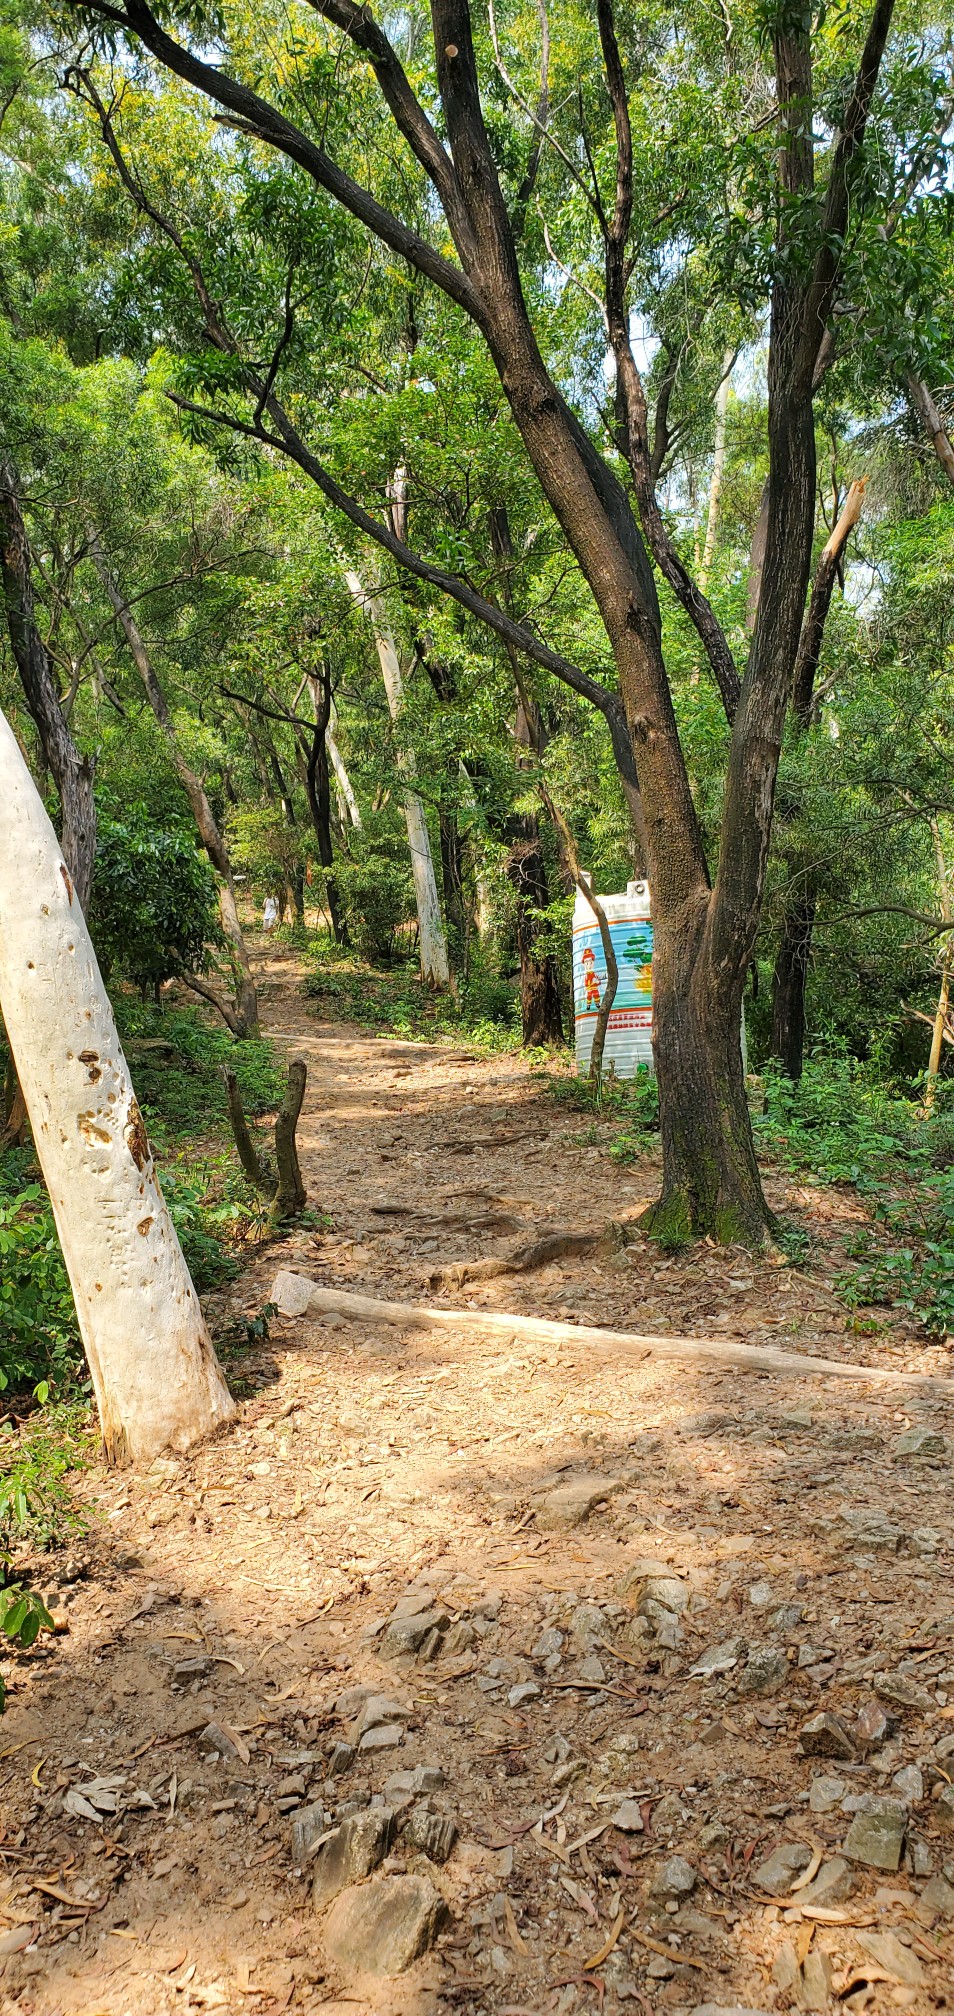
{"points": [[629, 1031]]}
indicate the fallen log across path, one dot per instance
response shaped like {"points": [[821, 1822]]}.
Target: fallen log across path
{"points": [[297, 1295]]}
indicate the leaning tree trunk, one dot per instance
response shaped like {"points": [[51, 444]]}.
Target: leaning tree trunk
{"points": [[346, 798], [244, 1020], [155, 1375], [71, 772]]}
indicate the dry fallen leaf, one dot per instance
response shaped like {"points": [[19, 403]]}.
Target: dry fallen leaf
{"points": [[805, 1935], [667, 1952], [597, 1959], [513, 1934], [241, 1747], [808, 1875], [63, 1897], [18, 1937]]}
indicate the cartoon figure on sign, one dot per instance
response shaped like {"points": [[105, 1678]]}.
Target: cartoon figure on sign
{"points": [[591, 986]]}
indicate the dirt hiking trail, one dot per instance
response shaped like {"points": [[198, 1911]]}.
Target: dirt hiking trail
{"points": [[474, 1676]]}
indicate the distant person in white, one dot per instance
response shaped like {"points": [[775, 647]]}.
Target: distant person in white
{"points": [[270, 918]]}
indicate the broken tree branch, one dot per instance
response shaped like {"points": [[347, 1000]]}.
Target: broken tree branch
{"points": [[522, 1259], [257, 1167], [296, 1295]]}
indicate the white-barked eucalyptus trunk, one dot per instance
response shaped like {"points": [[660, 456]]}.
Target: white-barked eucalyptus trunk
{"points": [[157, 1381], [435, 965], [347, 802]]}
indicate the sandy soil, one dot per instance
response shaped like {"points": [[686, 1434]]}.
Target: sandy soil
{"points": [[250, 1587]]}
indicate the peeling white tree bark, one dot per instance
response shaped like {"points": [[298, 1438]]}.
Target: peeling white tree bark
{"points": [[435, 965], [155, 1375]]}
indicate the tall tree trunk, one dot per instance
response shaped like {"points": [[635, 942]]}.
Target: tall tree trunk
{"points": [[71, 772], [246, 1003], [452, 878], [541, 1015], [790, 977], [297, 878], [348, 800], [711, 1174], [318, 787], [947, 956], [541, 1010], [435, 965], [155, 1375]]}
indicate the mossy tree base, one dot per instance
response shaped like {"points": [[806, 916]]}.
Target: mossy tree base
{"points": [[677, 1218]]}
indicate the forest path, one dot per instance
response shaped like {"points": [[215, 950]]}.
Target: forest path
{"points": [[507, 1496]]}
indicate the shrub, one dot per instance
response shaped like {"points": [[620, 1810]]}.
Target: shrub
{"points": [[153, 910], [39, 1335], [377, 895], [264, 847]]}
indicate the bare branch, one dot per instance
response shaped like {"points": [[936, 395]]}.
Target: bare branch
{"points": [[539, 118], [813, 628], [632, 394]]}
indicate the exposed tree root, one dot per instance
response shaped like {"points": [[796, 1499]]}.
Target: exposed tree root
{"points": [[522, 1260]]}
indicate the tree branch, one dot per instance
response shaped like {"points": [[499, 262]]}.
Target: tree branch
{"points": [[834, 219], [633, 397], [264, 122], [813, 628], [408, 113]]}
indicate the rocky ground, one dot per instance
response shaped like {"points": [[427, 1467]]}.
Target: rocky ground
{"points": [[469, 1675]]}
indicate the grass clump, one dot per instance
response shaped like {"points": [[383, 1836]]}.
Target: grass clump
{"points": [[40, 1350], [394, 1000], [36, 1458], [630, 1105], [843, 1123], [183, 1096]]}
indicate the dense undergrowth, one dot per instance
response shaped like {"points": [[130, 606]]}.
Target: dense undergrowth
{"points": [[843, 1123]]}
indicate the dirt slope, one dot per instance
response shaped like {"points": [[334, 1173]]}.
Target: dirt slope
{"points": [[607, 1798]]}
